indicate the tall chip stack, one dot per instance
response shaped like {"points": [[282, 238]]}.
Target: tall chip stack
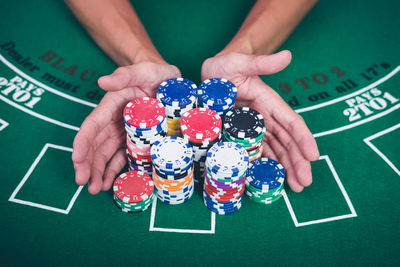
{"points": [[178, 95], [201, 127], [217, 94], [246, 127], [173, 169], [133, 191], [224, 177], [145, 123], [265, 180]]}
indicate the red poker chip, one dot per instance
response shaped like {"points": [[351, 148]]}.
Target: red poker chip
{"points": [[223, 195], [224, 199], [226, 191], [145, 112], [255, 147], [133, 187], [137, 150], [201, 124]]}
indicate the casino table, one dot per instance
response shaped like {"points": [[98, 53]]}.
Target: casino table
{"points": [[344, 81]]}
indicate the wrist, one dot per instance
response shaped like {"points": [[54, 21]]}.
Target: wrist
{"points": [[145, 54], [239, 46]]}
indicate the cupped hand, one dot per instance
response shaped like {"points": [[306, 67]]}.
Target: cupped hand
{"points": [[288, 139], [99, 146]]}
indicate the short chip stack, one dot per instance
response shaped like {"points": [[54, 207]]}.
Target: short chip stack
{"points": [[178, 95], [265, 180], [224, 178], [145, 123], [202, 128], [173, 169], [133, 191], [246, 127], [217, 94]]}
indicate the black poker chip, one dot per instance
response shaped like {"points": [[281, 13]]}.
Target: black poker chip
{"points": [[243, 123]]}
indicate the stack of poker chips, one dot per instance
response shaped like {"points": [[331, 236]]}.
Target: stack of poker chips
{"points": [[145, 123], [178, 95], [201, 127], [265, 180], [246, 127], [173, 169], [217, 94], [224, 178], [133, 191]]}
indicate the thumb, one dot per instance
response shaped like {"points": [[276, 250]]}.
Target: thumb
{"points": [[265, 64], [115, 82]]}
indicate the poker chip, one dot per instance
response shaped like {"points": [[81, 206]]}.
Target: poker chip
{"points": [[173, 173], [144, 112], [217, 94], [159, 158], [246, 127], [178, 95], [243, 123], [145, 124], [224, 177], [265, 180], [227, 158], [201, 124], [133, 191], [201, 127]]}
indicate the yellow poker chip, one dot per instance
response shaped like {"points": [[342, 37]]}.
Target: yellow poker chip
{"points": [[169, 120], [171, 132]]}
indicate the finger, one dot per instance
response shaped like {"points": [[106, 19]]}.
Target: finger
{"points": [[82, 169], [290, 120], [296, 126], [115, 165], [101, 156], [144, 74], [82, 172], [284, 159], [116, 81], [299, 163], [250, 65], [111, 131], [268, 152], [109, 109]]}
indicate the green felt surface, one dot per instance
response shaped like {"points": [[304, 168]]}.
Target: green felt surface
{"points": [[344, 81]]}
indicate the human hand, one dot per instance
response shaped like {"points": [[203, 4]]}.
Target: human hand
{"points": [[287, 139], [101, 138]]}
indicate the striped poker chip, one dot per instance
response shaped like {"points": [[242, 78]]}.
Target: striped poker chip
{"points": [[133, 187], [144, 112], [201, 124]]}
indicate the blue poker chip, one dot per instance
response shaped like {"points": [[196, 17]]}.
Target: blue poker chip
{"points": [[174, 172], [175, 201], [177, 92], [225, 207], [265, 174], [182, 193], [217, 108], [224, 211], [207, 198], [217, 92]]}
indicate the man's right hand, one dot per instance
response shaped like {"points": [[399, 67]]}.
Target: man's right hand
{"points": [[99, 147]]}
